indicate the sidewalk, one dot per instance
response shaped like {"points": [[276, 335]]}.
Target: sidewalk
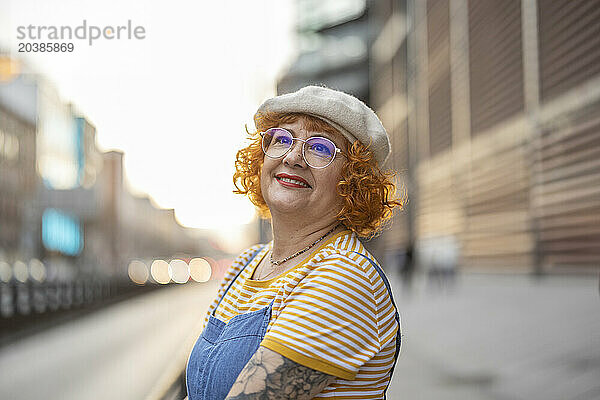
{"points": [[501, 337]]}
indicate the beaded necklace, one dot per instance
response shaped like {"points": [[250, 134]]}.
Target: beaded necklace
{"points": [[278, 262]]}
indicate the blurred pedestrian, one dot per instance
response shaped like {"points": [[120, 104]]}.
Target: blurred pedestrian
{"points": [[443, 261], [408, 267], [310, 314]]}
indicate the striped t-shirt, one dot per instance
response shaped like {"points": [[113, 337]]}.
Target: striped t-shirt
{"points": [[331, 313]]}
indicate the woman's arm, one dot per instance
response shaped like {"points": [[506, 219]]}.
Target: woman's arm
{"points": [[269, 375]]}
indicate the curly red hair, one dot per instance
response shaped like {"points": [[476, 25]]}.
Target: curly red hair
{"points": [[368, 193]]}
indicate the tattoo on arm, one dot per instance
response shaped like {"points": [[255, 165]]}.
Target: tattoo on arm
{"points": [[269, 375]]}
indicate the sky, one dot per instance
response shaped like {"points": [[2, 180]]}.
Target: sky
{"points": [[176, 101]]}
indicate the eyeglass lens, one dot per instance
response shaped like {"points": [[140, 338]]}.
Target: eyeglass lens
{"points": [[318, 151]]}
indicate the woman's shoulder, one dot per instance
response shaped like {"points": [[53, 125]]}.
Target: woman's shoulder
{"points": [[348, 247], [348, 267], [346, 255]]}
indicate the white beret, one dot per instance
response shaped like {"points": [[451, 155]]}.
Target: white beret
{"points": [[344, 112]]}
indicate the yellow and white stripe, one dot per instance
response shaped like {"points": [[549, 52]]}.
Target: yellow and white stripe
{"points": [[331, 313]]}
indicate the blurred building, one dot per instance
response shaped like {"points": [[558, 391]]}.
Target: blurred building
{"points": [[334, 47], [497, 106], [66, 217], [18, 177], [493, 113]]}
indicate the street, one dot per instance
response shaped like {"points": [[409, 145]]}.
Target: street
{"points": [[120, 352], [501, 337]]}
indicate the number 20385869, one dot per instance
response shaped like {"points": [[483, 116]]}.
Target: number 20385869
{"points": [[46, 47]]}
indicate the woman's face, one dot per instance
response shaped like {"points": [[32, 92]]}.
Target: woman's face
{"points": [[311, 194]]}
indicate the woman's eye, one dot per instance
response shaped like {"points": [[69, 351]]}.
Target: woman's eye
{"points": [[282, 140], [319, 148]]}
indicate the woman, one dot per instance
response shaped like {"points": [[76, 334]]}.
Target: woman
{"points": [[310, 314]]}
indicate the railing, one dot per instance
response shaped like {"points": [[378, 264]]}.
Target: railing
{"points": [[30, 306]]}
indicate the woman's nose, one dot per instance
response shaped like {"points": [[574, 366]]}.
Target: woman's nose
{"points": [[294, 155]]}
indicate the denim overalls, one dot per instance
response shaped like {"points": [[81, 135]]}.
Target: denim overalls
{"points": [[224, 349]]}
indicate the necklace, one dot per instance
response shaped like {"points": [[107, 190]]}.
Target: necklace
{"points": [[279, 262], [276, 263]]}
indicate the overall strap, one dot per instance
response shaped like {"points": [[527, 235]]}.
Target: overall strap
{"points": [[396, 316], [235, 277]]}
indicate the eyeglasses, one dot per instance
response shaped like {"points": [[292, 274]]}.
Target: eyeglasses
{"points": [[317, 151]]}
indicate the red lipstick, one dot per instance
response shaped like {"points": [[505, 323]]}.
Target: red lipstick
{"points": [[292, 181]]}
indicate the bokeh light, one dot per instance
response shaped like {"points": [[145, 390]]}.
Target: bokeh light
{"points": [[200, 269], [179, 271], [37, 270], [160, 272], [21, 271], [138, 272], [5, 272], [9, 68]]}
